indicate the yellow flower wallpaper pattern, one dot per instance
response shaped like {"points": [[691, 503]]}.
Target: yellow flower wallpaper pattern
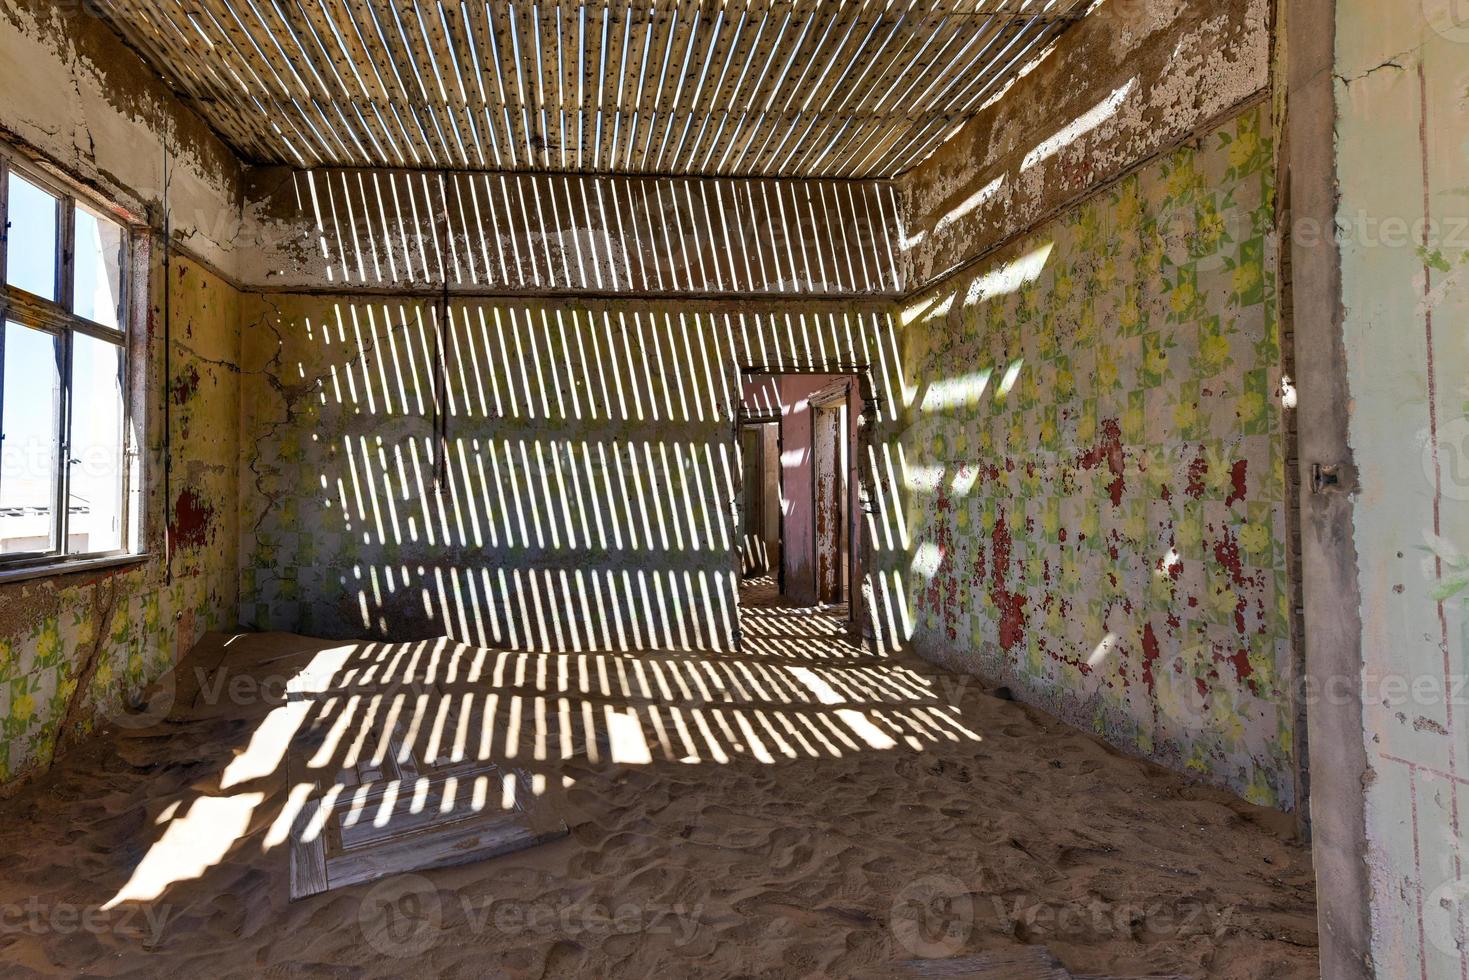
{"points": [[1102, 528]]}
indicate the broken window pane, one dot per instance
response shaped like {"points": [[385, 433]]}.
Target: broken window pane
{"points": [[94, 521], [29, 443], [97, 275], [31, 250]]}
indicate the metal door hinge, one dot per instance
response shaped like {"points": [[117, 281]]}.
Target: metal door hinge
{"points": [[1333, 478]]}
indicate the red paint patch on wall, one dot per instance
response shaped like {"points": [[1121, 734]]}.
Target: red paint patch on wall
{"points": [[1109, 450], [193, 517], [1237, 485], [1011, 605], [1151, 652], [185, 386], [1227, 554], [1197, 470]]}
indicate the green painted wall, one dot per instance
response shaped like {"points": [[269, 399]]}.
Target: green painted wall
{"points": [[1402, 137]]}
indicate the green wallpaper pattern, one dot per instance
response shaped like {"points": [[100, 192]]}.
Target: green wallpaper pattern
{"points": [[1093, 472]]}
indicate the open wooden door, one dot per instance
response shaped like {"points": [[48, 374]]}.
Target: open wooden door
{"points": [[828, 443], [753, 558]]}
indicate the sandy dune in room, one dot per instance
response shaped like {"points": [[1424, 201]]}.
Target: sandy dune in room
{"points": [[806, 809]]}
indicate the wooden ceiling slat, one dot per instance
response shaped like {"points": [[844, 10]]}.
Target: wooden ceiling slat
{"points": [[193, 40], [721, 59], [809, 50], [668, 42], [682, 72], [533, 57], [569, 52], [747, 47], [641, 64], [477, 63], [769, 88], [914, 29], [201, 86], [815, 50], [344, 55], [699, 77], [1020, 40], [618, 31], [500, 64]]}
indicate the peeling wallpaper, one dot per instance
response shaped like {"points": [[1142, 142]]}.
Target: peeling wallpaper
{"points": [[1092, 478], [74, 648], [587, 496], [1130, 80]]}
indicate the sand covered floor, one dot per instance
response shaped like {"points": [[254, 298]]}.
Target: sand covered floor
{"points": [[804, 808]]}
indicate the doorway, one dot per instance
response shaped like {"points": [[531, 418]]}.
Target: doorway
{"points": [[800, 493], [760, 544]]}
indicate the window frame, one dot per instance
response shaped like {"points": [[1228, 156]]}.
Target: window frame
{"points": [[55, 317]]}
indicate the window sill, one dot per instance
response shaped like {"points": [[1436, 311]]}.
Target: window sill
{"points": [[27, 572]]}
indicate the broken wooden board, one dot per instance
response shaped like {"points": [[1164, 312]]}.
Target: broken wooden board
{"points": [[404, 808], [1015, 963]]}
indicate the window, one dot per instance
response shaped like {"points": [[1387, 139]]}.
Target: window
{"points": [[66, 444]]}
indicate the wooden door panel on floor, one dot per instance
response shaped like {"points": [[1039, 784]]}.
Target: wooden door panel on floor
{"points": [[407, 804]]}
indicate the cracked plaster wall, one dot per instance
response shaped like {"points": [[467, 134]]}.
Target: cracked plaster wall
{"points": [[1401, 90], [74, 648], [73, 97], [1131, 80]]}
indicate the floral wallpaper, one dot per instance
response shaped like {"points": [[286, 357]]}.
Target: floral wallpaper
{"points": [[1093, 467], [76, 646]]}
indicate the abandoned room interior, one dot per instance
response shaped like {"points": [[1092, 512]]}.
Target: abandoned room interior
{"points": [[865, 488]]}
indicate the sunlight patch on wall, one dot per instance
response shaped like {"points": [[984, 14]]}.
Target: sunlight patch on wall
{"points": [[964, 390], [1009, 277], [1080, 126], [926, 559], [969, 204]]}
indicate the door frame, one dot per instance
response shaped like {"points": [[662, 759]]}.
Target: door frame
{"points": [[1333, 759], [756, 421], [836, 395], [862, 605]]}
